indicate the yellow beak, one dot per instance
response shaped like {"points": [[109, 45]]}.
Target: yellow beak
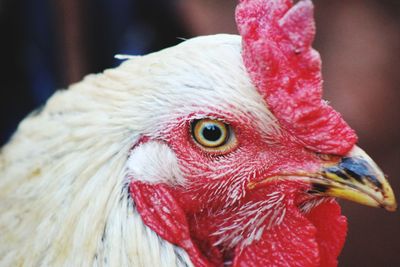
{"points": [[355, 177]]}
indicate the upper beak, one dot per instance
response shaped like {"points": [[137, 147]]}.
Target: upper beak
{"points": [[355, 177]]}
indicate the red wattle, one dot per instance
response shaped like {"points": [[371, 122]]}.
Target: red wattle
{"points": [[304, 240], [292, 243], [331, 231], [161, 212]]}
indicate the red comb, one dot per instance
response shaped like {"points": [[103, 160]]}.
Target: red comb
{"points": [[286, 70]]}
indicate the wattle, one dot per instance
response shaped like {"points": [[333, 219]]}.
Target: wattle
{"points": [[312, 239]]}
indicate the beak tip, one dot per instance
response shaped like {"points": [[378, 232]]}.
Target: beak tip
{"points": [[392, 206], [389, 201]]}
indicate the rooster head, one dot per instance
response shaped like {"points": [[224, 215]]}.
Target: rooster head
{"points": [[241, 158]]}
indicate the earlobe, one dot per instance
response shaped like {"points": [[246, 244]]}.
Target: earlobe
{"points": [[154, 162]]}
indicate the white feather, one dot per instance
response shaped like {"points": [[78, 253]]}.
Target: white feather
{"points": [[63, 195]]}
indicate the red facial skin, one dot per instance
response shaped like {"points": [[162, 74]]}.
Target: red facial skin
{"points": [[196, 212]]}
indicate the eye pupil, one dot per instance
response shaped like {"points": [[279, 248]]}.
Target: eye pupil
{"points": [[211, 132]]}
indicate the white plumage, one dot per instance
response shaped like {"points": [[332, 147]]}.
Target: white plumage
{"points": [[64, 197]]}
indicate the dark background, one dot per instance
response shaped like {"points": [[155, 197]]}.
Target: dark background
{"points": [[49, 44]]}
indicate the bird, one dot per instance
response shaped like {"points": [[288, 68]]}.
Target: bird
{"points": [[219, 151]]}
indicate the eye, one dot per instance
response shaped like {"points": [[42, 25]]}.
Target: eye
{"points": [[213, 135]]}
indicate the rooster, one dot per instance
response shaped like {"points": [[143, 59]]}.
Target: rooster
{"points": [[216, 152]]}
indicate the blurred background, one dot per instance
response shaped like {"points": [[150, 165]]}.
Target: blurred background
{"points": [[49, 44]]}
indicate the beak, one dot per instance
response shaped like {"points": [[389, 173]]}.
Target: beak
{"points": [[355, 177]]}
